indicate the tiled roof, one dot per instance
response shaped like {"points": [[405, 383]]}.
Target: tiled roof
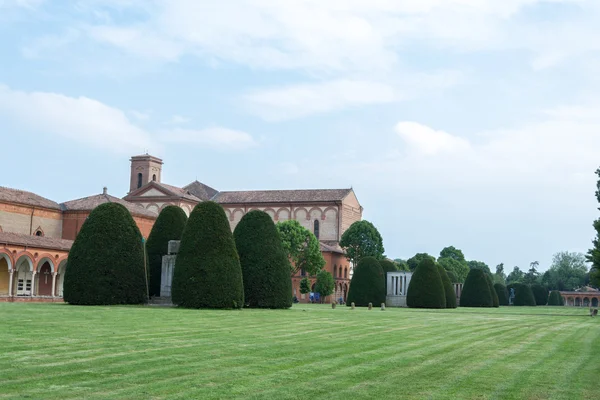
{"points": [[282, 196], [201, 191], [91, 202], [183, 193], [35, 241], [27, 198], [331, 247]]}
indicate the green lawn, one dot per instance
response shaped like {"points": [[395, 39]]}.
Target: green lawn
{"points": [[56, 351]]}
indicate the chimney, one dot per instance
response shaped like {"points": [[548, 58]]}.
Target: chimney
{"points": [[104, 190]]}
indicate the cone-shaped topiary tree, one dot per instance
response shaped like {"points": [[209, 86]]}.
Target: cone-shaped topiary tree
{"points": [[523, 295], [168, 226], [448, 288], [207, 270], [540, 293], [367, 284], [451, 276], [476, 291], [495, 300], [106, 261], [387, 266], [426, 289], [265, 266], [502, 294], [555, 299]]}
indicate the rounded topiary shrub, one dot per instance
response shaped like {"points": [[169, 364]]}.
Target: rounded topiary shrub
{"points": [[106, 261], [367, 284], [476, 291], [523, 295], [495, 300], [168, 226], [540, 293], [387, 266], [502, 294], [554, 299], [448, 288], [451, 276], [265, 266], [207, 270], [426, 289]]}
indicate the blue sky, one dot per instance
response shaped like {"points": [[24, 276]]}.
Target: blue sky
{"points": [[472, 123]]}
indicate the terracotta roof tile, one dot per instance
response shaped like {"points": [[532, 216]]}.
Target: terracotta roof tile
{"points": [[282, 196], [35, 241], [183, 193], [91, 202], [27, 198], [331, 247], [200, 190]]}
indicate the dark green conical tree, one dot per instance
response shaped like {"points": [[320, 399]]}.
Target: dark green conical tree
{"points": [[207, 270], [495, 299], [448, 288], [540, 293], [168, 226], [476, 291], [555, 299], [426, 289], [523, 295], [106, 261], [387, 266], [502, 294], [367, 284], [265, 266]]}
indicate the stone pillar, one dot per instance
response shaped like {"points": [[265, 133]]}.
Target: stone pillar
{"points": [[33, 274], [10, 283], [54, 284]]}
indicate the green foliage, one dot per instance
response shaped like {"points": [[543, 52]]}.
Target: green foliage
{"points": [[367, 284], [207, 270], [555, 299], [476, 290], [414, 261], [540, 293], [426, 289], [523, 295], [516, 276], [304, 285], [460, 269], [401, 264], [168, 226], [532, 274], [106, 261], [362, 239], [448, 288], [325, 284], [301, 247], [495, 299], [502, 294], [387, 266], [480, 265], [567, 272], [264, 262], [593, 254], [451, 276]]}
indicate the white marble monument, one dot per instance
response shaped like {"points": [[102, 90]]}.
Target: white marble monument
{"points": [[397, 287]]}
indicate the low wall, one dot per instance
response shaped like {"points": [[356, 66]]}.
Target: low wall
{"points": [[28, 299], [395, 301]]}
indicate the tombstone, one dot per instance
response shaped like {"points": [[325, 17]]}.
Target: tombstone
{"points": [[397, 287], [382, 306], [352, 305], [370, 306], [168, 266]]}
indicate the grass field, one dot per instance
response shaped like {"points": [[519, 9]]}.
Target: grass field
{"points": [[56, 351]]}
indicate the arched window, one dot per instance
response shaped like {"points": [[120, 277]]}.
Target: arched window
{"points": [[302, 272], [316, 230], [346, 272], [154, 177], [334, 270], [139, 185], [39, 233]]}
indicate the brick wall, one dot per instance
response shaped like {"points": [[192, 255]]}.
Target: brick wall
{"points": [[25, 220]]}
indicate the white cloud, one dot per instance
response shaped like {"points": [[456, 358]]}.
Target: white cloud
{"points": [[178, 119], [429, 141], [75, 118], [29, 4], [216, 137]]}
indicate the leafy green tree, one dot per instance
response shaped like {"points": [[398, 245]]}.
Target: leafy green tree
{"points": [[168, 226], [567, 272], [495, 299], [532, 275], [451, 276], [426, 289], [480, 265], [516, 276], [502, 294], [540, 293], [593, 254], [476, 291], [367, 284], [106, 261], [448, 288], [207, 270], [325, 284], [362, 239], [500, 276], [414, 261], [452, 252], [301, 247], [460, 269], [264, 262], [401, 264], [304, 285]]}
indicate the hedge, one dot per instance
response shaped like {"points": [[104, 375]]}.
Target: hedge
{"points": [[367, 284], [265, 266], [523, 295], [168, 226], [476, 290], [502, 294], [495, 300], [207, 269], [555, 299], [448, 288], [387, 266], [106, 261], [540, 293], [426, 289]]}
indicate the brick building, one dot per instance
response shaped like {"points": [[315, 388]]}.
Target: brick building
{"points": [[36, 233]]}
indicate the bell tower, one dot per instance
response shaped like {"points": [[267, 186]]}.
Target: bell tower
{"points": [[144, 169]]}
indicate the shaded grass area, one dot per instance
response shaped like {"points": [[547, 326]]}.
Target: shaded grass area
{"points": [[56, 351]]}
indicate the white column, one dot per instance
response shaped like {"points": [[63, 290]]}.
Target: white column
{"points": [[54, 284], [34, 273], [10, 283]]}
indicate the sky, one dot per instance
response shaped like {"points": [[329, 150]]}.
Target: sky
{"points": [[471, 123]]}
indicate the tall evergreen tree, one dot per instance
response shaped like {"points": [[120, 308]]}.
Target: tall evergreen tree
{"points": [[168, 226], [448, 288], [265, 265], [476, 291], [495, 299], [426, 289], [593, 255], [106, 261], [367, 284], [207, 270]]}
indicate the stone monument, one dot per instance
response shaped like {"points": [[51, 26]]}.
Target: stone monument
{"points": [[168, 266]]}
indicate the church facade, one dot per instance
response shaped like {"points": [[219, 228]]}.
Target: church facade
{"points": [[36, 233]]}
